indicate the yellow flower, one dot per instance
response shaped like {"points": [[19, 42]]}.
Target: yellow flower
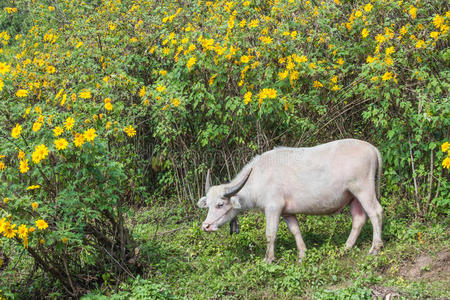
{"points": [[364, 33], [21, 155], [175, 102], [108, 106], [368, 7], [245, 59], [41, 224], [34, 205], [335, 88], [445, 146], [370, 59], [33, 187], [389, 61], [141, 93], [4, 68], [2, 166], [69, 123], [438, 21], [283, 75], [21, 93], [191, 62], [130, 131], [334, 79], [78, 140], [15, 133], [23, 166], [253, 23], [403, 30], [85, 94], [340, 61], [271, 93], [387, 76], [211, 79], [390, 50], [22, 231], [434, 34], [57, 131], [412, 12], [161, 88], [9, 231], [36, 126], [317, 84], [89, 135], [51, 69], [420, 44], [446, 162], [247, 97], [40, 153], [61, 144]]}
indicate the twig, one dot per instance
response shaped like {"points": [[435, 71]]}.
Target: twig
{"points": [[118, 263], [414, 176], [431, 179], [170, 231]]}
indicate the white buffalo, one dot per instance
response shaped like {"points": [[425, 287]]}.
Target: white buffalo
{"points": [[314, 181]]}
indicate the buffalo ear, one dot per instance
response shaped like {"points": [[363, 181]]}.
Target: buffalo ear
{"points": [[235, 203], [202, 203]]}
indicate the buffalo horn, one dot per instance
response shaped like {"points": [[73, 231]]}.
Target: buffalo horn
{"points": [[229, 192]]}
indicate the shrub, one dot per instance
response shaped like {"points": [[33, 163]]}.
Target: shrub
{"points": [[105, 102]]}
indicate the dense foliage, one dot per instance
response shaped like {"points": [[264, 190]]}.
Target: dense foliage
{"points": [[113, 103]]}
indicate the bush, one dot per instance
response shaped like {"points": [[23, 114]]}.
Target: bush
{"points": [[106, 102]]}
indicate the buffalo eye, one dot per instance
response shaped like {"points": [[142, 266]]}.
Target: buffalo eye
{"points": [[219, 205]]}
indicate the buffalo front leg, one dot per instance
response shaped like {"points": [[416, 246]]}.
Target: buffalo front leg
{"points": [[272, 219], [292, 224]]}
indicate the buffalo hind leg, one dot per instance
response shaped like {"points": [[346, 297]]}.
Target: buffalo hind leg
{"points": [[292, 224], [374, 210], [358, 219]]}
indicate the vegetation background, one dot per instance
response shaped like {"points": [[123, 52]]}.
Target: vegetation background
{"points": [[111, 111]]}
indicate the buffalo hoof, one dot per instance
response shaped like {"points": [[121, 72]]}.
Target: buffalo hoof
{"points": [[269, 260], [376, 246]]}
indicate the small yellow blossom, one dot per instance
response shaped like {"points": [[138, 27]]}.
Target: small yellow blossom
{"points": [[40, 153], [23, 166], [364, 33], [412, 12], [89, 135], [33, 187], [191, 62], [175, 102], [387, 76], [61, 144], [21, 155], [57, 131], [78, 140], [445, 146], [446, 163], [15, 133], [317, 84], [41, 224], [141, 93], [130, 131], [161, 88], [34, 205], [85, 94], [21, 93]]}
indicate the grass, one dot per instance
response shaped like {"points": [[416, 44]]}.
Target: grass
{"points": [[181, 261]]}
